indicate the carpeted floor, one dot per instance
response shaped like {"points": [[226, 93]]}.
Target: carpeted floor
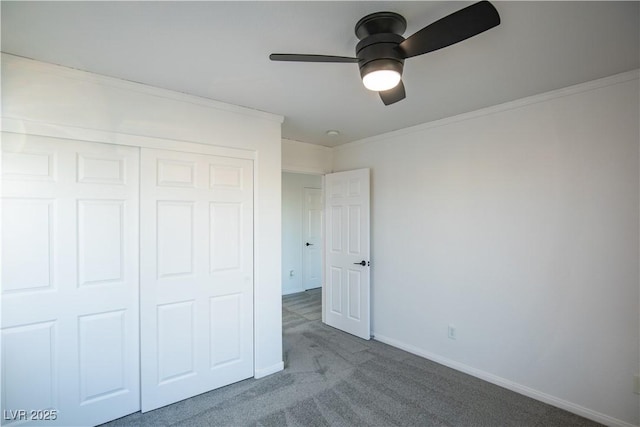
{"points": [[334, 379]]}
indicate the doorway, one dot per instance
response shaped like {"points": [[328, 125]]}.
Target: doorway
{"points": [[302, 225]]}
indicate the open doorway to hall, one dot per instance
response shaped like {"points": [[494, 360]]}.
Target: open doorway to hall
{"points": [[302, 226]]}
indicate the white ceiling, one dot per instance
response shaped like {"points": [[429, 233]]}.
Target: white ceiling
{"points": [[220, 50]]}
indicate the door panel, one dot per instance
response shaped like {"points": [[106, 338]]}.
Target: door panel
{"points": [[70, 279], [197, 281], [354, 295], [29, 378], [226, 334], [176, 345], [102, 337], [174, 238], [347, 296], [100, 254], [27, 255], [225, 239]]}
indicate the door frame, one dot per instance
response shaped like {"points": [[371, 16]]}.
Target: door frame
{"points": [[321, 174]]}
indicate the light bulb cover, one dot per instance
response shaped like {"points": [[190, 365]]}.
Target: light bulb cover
{"points": [[381, 80], [381, 74]]}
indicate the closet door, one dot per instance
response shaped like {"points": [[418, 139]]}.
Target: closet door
{"points": [[196, 274], [70, 341]]}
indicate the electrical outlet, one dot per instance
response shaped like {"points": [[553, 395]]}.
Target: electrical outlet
{"points": [[451, 332], [636, 384]]}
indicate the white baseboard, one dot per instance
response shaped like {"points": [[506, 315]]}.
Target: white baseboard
{"points": [[510, 385], [260, 373]]}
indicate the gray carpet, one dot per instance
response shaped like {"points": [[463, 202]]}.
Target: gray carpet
{"points": [[334, 379]]}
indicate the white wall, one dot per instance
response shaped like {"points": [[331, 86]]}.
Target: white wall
{"points": [[44, 99], [305, 158], [293, 185], [518, 224]]}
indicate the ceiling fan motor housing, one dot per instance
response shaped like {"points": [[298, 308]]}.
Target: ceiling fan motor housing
{"points": [[380, 35], [379, 52]]}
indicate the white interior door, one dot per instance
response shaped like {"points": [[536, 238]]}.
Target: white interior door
{"points": [[70, 342], [312, 238], [196, 274], [347, 292]]}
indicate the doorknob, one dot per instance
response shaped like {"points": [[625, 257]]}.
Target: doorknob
{"points": [[362, 263], [308, 244]]}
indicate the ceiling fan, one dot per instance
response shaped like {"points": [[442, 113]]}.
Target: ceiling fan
{"points": [[381, 52]]}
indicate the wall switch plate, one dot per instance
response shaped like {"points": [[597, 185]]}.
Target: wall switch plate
{"points": [[451, 332], [636, 384]]}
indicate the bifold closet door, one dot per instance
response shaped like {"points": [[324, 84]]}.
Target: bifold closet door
{"points": [[70, 340], [196, 274]]}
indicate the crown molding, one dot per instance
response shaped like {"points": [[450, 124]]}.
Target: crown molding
{"points": [[85, 76], [511, 105]]}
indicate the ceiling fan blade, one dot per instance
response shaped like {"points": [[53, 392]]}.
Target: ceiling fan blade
{"points": [[310, 58], [393, 95], [454, 28]]}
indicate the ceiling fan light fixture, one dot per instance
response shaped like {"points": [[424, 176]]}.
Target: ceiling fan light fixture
{"points": [[381, 74], [381, 80]]}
